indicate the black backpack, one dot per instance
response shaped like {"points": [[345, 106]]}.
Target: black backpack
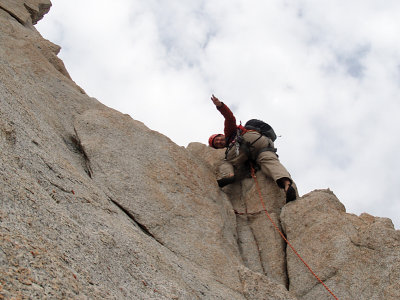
{"points": [[261, 127]]}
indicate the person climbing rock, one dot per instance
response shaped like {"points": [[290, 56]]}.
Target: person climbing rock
{"points": [[243, 144]]}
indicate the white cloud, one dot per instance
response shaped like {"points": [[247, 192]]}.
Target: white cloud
{"points": [[326, 75]]}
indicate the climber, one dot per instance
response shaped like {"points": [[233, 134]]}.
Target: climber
{"points": [[243, 145]]}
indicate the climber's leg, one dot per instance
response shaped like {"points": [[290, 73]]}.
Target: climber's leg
{"points": [[271, 166]]}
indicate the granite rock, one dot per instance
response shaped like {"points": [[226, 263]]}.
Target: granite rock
{"points": [[95, 205]]}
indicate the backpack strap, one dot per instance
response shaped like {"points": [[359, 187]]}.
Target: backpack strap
{"points": [[272, 149], [238, 142], [254, 157]]}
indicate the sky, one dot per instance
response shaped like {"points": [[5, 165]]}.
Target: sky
{"points": [[324, 74]]}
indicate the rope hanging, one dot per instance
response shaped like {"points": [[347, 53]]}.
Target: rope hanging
{"points": [[283, 236]]}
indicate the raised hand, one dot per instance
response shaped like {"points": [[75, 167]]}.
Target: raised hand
{"points": [[216, 101]]}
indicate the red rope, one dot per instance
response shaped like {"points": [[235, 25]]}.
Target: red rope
{"points": [[283, 236]]}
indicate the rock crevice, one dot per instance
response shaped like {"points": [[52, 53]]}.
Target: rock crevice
{"points": [[77, 147], [132, 217]]}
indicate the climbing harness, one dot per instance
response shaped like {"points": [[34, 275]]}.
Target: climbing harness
{"points": [[247, 147], [283, 236]]}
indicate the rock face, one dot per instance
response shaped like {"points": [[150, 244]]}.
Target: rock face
{"points": [[357, 257], [94, 205], [26, 12]]}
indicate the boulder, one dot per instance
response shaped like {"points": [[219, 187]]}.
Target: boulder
{"points": [[357, 257], [27, 12]]}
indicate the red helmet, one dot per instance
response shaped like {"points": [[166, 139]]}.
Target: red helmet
{"points": [[212, 138]]}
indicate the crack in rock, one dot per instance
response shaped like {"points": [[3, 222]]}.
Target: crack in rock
{"points": [[132, 217]]}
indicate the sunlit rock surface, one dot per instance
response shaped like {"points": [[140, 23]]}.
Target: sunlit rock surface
{"points": [[94, 205]]}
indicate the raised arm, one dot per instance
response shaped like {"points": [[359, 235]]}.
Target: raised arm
{"points": [[230, 120]]}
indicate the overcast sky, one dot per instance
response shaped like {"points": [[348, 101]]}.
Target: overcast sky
{"points": [[324, 74]]}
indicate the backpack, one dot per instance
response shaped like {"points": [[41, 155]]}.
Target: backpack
{"points": [[253, 124], [261, 127]]}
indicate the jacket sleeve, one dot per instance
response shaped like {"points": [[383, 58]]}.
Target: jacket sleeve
{"points": [[230, 121]]}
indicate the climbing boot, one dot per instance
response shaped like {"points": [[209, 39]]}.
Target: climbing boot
{"points": [[290, 194], [225, 181]]}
